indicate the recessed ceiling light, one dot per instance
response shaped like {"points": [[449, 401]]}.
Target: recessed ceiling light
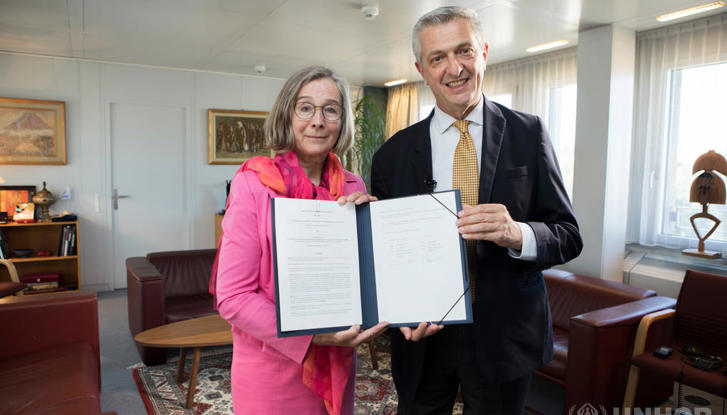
{"points": [[395, 82], [690, 11], [546, 46]]}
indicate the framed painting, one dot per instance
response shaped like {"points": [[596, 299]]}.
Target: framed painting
{"points": [[32, 131], [12, 195], [235, 136]]}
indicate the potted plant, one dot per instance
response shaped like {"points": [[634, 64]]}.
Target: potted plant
{"points": [[370, 124]]}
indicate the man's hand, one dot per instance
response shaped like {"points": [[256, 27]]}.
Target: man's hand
{"points": [[490, 222], [423, 330], [351, 337], [357, 198]]}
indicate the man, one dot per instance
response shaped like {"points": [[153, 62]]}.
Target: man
{"points": [[516, 219]]}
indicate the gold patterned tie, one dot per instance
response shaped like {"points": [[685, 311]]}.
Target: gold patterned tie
{"points": [[465, 177]]}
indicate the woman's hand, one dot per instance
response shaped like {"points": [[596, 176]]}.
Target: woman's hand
{"points": [[351, 337], [357, 198]]}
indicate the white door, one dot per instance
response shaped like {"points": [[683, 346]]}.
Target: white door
{"points": [[148, 174]]}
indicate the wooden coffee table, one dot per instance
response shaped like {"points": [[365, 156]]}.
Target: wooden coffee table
{"points": [[194, 333]]}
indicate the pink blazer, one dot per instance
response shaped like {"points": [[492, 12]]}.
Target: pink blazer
{"points": [[266, 369]]}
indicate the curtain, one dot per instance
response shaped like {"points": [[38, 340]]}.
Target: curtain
{"points": [[402, 108], [530, 80], [426, 100], [658, 52], [543, 85]]}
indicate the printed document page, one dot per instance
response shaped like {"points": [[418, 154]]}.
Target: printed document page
{"points": [[417, 259], [318, 273]]}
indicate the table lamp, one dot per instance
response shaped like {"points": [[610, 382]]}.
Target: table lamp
{"points": [[707, 188]]}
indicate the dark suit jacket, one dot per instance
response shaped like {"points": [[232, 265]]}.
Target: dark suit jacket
{"points": [[513, 334]]}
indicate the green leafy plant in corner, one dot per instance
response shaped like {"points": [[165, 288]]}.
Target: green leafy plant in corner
{"points": [[370, 124]]}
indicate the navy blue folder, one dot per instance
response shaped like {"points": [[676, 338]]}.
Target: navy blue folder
{"points": [[367, 276]]}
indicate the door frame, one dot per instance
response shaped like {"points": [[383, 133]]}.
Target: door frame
{"points": [[105, 203]]}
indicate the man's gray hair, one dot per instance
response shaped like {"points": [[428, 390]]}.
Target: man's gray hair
{"points": [[444, 15], [278, 128]]}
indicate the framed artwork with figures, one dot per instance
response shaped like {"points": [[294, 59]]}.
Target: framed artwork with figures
{"points": [[235, 136]]}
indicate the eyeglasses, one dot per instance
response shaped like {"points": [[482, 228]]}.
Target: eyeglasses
{"points": [[306, 110]]}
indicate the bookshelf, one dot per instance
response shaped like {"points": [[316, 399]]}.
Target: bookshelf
{"points": [[42, 236]]}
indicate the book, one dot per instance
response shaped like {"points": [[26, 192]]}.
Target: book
{"points": [[39, 277], [66, 236], [72, 242], [398, 260], [61, 241], [67, 241], [4, 251], [64, 218], [38, 286]]}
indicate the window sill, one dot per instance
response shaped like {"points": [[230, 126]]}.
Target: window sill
{"points": [[662, 269]]}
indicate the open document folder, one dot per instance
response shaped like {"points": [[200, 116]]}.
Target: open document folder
{"points": [[397, 260]]}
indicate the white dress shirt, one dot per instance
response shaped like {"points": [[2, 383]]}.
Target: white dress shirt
{"points": [[444, 137]]}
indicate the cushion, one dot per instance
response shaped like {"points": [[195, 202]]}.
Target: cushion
{"points": [[191, 306], [185, 272], [556, 367], [714, 382], [50, 379]]}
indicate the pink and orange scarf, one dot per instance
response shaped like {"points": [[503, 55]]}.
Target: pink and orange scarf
{"points": [[326, 369]]}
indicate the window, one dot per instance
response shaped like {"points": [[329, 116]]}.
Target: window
{"points": [[679, 102], [503, 99], [696, 124], [424, 111]]}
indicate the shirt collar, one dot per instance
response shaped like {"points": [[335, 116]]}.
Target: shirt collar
{"points": [[441, 120]]}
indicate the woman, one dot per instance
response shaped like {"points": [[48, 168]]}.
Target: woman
{"points": [[310, 121]]}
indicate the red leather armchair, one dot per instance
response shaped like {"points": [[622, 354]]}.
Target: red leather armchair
{"points": [[699, 320], [165, 287], [50, 354], [594, 326]]}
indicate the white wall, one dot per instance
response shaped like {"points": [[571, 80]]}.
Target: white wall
{"points": [[88, 89], [603, 141]]}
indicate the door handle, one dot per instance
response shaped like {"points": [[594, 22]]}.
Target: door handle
{"points": [[116, 196]]}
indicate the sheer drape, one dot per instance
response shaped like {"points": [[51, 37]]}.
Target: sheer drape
{"points": [[658, 52], [530, 80], [426, 100], [402, 108], [544, 85]]}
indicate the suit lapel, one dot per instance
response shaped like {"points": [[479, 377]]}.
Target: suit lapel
{"points": [[420, 163], [492, 136]]}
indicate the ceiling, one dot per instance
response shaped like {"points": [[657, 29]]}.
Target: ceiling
{"points": [[233, 36]]}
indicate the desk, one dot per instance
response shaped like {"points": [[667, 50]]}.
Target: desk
{"points": [[194, 333]]}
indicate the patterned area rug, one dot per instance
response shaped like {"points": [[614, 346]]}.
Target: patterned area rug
{"points": [[162, 395]]}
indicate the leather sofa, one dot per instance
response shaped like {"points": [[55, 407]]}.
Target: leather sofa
{"points": [[50, 354], [166, 287], [594, 326]]}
